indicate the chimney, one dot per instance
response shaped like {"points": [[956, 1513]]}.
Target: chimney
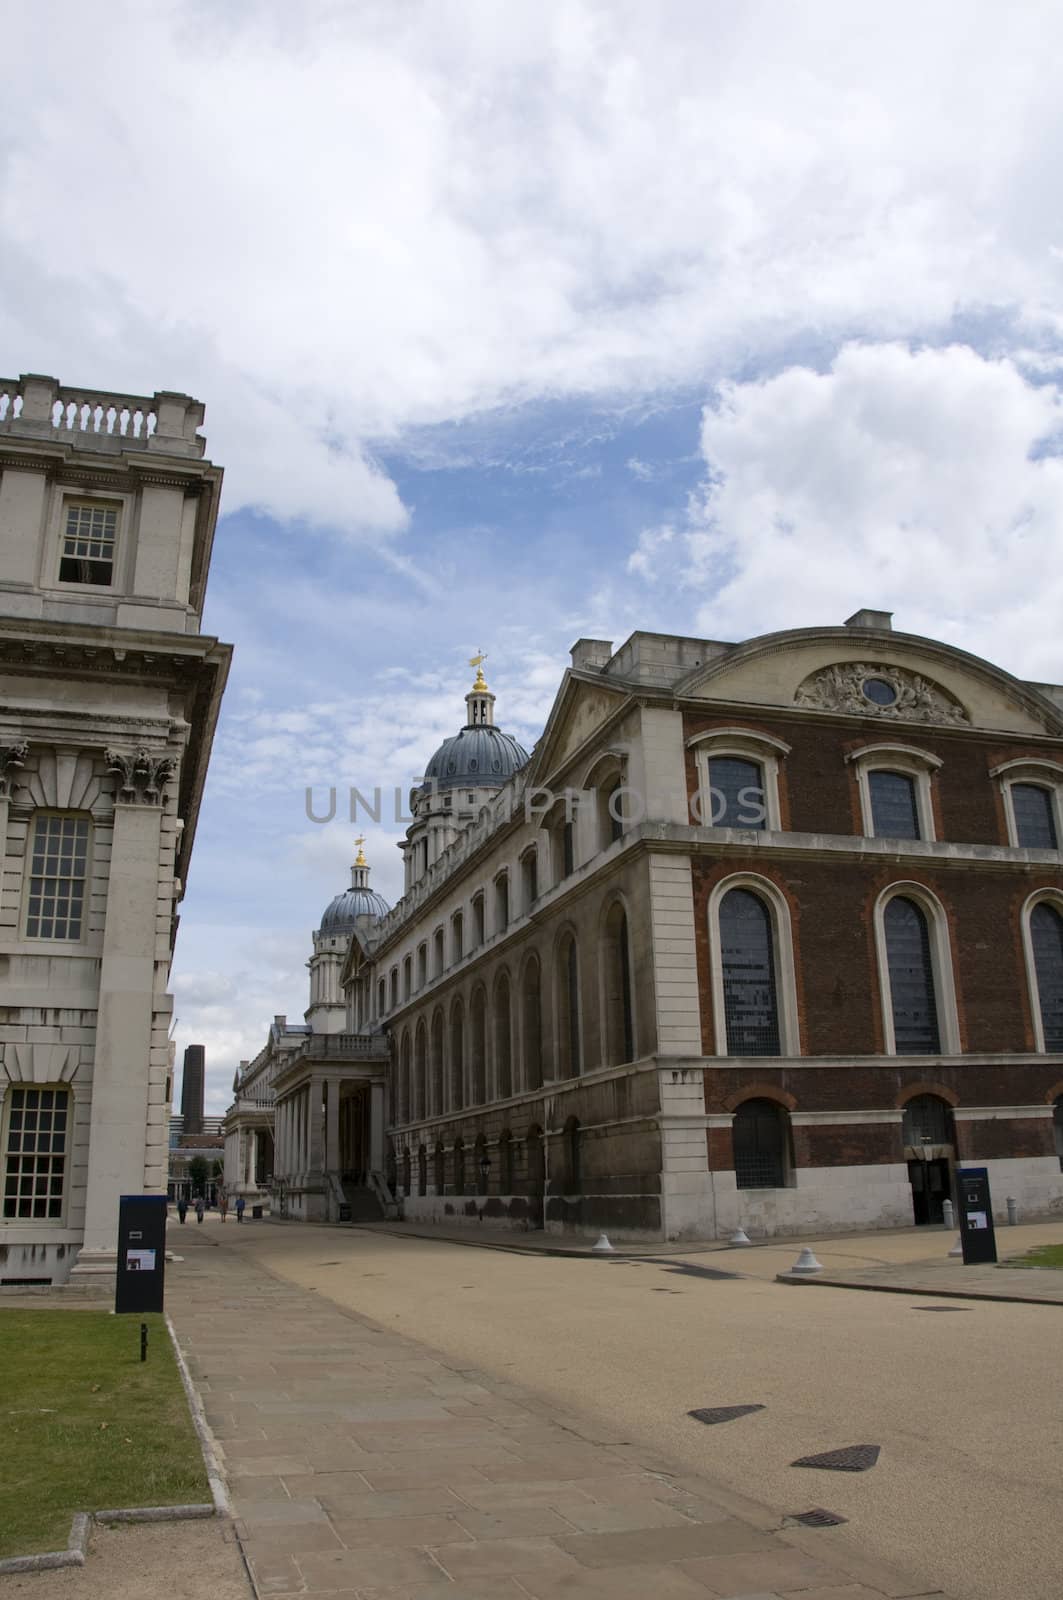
{"points": [[591, 655], [880, 621]]}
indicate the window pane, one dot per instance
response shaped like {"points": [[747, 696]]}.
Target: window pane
{"points": [[1046, 933], [911, 975], [36, 1153], [58, 868], [1035, 824], [748, 961], [894, 814], [736, 793], [88, 544]]}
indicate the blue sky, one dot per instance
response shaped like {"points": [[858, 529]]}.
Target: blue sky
{"points": [[520, 323]]}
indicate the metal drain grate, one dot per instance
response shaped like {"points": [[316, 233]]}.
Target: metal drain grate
{"points": [[851, 1458], [711, 1414], [941, 1308], [818, 1518]]}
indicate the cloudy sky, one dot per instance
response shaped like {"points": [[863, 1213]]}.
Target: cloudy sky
{"points": [[518, 322]]}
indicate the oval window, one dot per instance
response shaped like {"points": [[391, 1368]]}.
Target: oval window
{"points": [[878, 691], [472, 764]]}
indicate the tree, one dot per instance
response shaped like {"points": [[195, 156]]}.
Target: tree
{"points": [[198, 1174]]}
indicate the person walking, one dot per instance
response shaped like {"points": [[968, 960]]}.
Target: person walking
{"points": [[240, 1204], [200, 1208], [182, 1209], [223, 1205]]}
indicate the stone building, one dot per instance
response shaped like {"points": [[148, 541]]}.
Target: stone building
{"points": [[767, 933], [109, 695]]}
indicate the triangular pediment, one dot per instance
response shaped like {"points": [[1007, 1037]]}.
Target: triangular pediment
{"points": [[584, 704]]}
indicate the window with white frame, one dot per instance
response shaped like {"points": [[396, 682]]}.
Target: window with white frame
{"points": [[915, 973], [754, 992], [35, 1153], [896, 799], [738, 778], [90, 532], [59, 865], [1033, 802], [1043, 939]]}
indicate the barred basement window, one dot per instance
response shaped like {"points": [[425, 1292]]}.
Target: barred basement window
{"points": [[58, 869], [760, 1136], [1046, 937], [1035, 823], [894, 811], [88, 544], [36, 1153], [747, 956], [911, 979]]}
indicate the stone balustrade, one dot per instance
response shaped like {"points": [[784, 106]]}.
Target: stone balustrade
{"points": [[36, 407]]}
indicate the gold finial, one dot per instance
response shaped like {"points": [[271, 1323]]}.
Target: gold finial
{"points": [[359, 859], [477, 661]]}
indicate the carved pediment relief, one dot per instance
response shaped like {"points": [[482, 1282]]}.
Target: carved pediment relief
{"points": [[891, 694]]}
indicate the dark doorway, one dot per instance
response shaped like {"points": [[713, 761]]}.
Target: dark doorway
{"points": [[930, 1189]]}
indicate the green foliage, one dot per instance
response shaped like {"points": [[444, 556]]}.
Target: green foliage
{"points": [[1043, 1255], [86, 1425], [199, 1174]]}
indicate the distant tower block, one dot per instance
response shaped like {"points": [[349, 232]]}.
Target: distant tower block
{"points": [[192, 1087]]}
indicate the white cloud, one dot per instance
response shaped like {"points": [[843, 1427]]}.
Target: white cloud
{"points": [[336, 223], [913, 481]]}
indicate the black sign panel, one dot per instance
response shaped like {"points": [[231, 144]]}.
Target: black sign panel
{"points": [[977, 1235], [141, 1252]]}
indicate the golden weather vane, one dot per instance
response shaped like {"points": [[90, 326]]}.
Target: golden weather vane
{"points": [[359, 859], [477, 661]]}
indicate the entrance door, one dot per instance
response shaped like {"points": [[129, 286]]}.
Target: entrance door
{"points": [[930, 1189]]}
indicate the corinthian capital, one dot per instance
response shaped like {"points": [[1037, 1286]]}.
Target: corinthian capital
{"points": [[12, 756], [142, 775]]}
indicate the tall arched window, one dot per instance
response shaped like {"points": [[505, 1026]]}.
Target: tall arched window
{"points": [[894, 808], [927, 1120], [747, 955], [619, 1029], [436, 1106], [422, 1170], [760, 1135], [457, 1058], [439, 1172], [1046, 943], [573, 1157], [568, 1008], [910, 966], [459, 1167], [420, 1073], [503, 1040], [505, 1162], [531, 1025], [1033, 806], [405, 1056], [478, 1047]]}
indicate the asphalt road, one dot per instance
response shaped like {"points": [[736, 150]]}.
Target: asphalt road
{"points": [[967, 1406]]}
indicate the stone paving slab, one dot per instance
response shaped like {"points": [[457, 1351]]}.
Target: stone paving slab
{"points": [[948, 1278], [363, 1467]]}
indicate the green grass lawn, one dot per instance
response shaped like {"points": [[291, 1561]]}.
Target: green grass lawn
{"points": [[86, 1426], [1042, 1255]]}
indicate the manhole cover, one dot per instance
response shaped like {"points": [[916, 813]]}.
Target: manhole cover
{"points": [[852, 1458], [818, 1518], [711, 1414], [941, 1308]]}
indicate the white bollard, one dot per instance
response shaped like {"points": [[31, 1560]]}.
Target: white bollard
{"points": [[948, 1216], [957, 1249], [1013, 1210], [806, 1262], [740, 1236], [603, 1247]]}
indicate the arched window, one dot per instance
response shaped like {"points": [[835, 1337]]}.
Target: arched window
{"points": [[531, 1025], [895, 782], [407, 1172], [422, 1170], [927, 1120], [760, 1135], [569, 1055], [478, 1047], [505, 1163], [619, 1021], [503, 1040], [1033, 805], [457, 1057], [747, 955], [436, 1105], [404, 1077], [572, 1157], [529, 877], [459, 1167], [481, 1164], [738, 779], [910, 967], [534, 1162], [1057, 1128], [736, 793], [440, 1168], [1046, 943], [420, 1073]]}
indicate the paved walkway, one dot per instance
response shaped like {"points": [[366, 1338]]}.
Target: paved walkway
{"points": [[363, 1467], [950, 1278]]}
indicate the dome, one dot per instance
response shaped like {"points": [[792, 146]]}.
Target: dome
{"points": [[479, 757], [343, 912]]}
